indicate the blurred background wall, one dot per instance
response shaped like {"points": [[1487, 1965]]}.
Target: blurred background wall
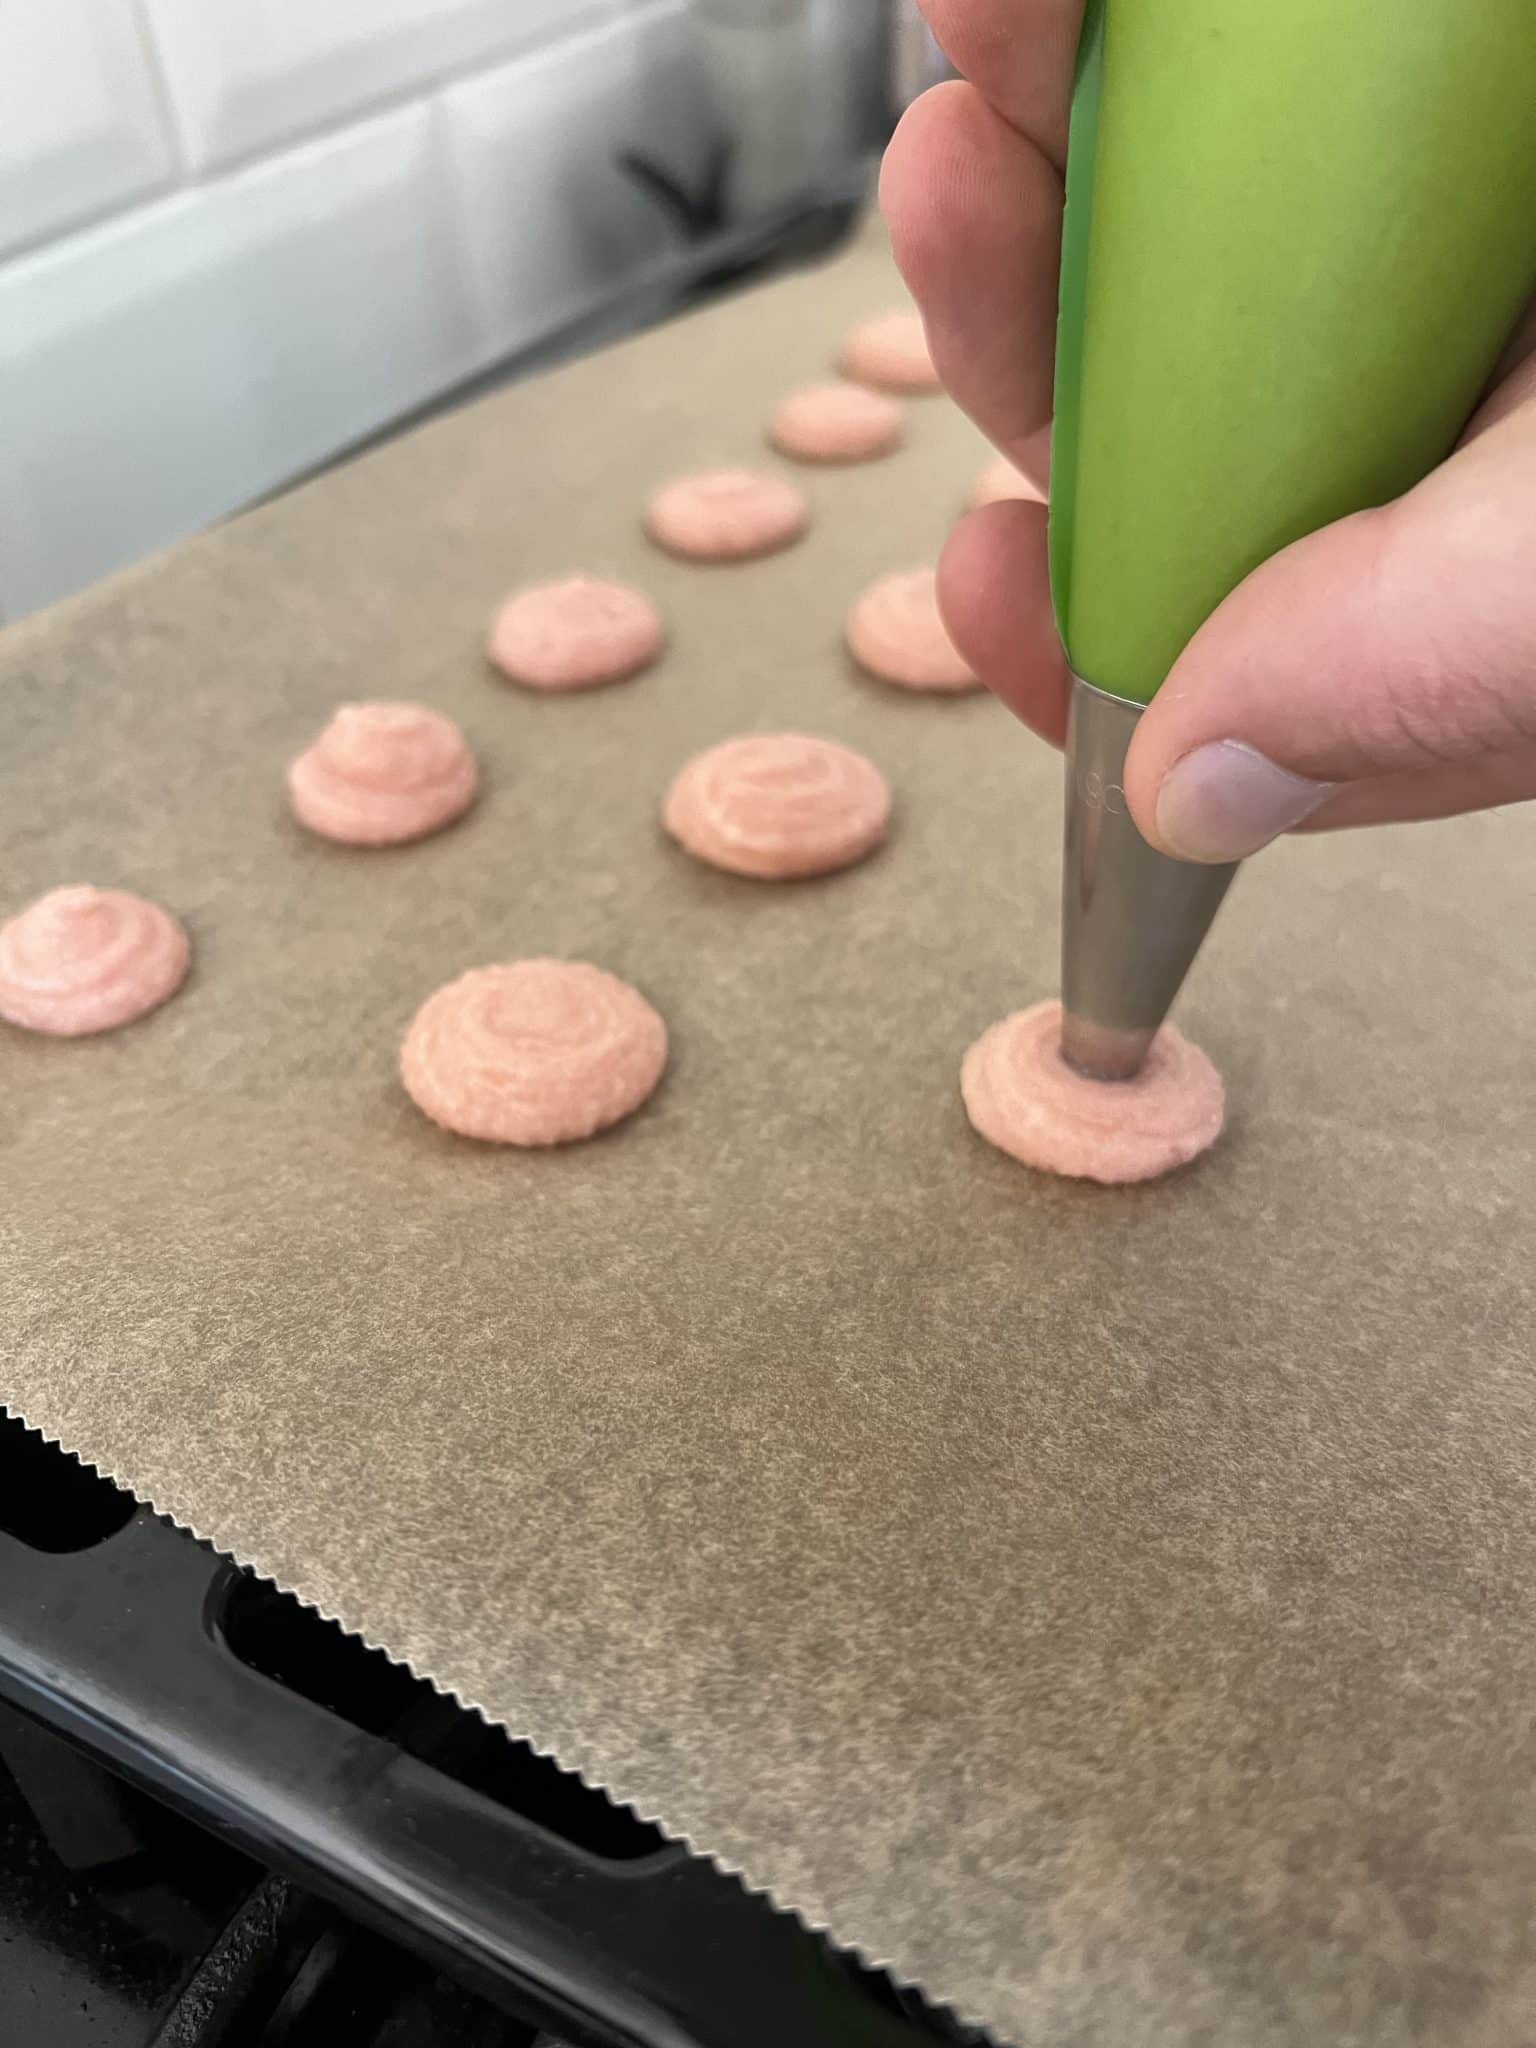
{"points": [[240, 236]]}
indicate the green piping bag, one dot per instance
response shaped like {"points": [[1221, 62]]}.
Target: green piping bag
{"points": [[1298, 235]]}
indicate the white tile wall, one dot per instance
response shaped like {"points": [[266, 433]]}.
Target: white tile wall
{"points": [[551, 221], [238, 235], [80, 127], [177, 362], [247, 73]]}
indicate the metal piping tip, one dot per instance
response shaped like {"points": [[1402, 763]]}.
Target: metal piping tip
{"points": [[1132, 919]]}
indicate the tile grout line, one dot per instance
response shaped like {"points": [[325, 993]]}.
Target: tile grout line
{"points": [[590, 14], [78, 226], [177, 177], [160, 87], [189, 179]]}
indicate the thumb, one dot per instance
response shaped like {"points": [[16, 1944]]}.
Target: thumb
{"points": [[1384, 667]]}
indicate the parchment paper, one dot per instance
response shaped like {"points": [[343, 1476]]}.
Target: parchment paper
{"points": [[1114, 1610]]}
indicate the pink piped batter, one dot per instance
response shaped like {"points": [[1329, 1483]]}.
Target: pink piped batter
{"points": [[726, 515], [779, 806], [1021, 1095], [538, 1052], [895, 631], [80, 960], [575, 634], [1000, 480], [381, 774], [890, 352], [837, 423]]}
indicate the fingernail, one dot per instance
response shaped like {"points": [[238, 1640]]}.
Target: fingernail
{"points": [[1225, 801]]}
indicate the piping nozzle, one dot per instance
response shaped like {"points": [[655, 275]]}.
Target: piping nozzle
{"points": [[1132, 919]]}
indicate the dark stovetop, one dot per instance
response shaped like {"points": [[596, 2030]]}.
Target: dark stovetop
{"points": [[224, 1823]]}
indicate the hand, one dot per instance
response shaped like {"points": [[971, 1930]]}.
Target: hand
{"points": [[1382, 669]]}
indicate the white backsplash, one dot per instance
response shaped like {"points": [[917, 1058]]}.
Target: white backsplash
{"points": [[82, 126], [237, 236]]}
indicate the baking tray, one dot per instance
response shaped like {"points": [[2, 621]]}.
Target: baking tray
{"points": [[243, 1709], [1111, 1609]]}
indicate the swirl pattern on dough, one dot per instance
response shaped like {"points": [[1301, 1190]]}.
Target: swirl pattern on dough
{"points": [[536, 1052], [1021, 1096], [80, 960], [726, 515], [778, 806], [575, 634], [895, 631], [381, 774]]}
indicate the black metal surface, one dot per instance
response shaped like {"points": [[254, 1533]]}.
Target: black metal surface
{"points": [[365, 1787], [290, 1973], [108, 1901]]}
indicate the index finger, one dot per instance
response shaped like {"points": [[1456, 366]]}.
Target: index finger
{"points": [[972, 193], [1020, 55]]}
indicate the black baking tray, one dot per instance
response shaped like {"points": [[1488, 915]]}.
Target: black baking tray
{"points": [[323, 1759]]}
